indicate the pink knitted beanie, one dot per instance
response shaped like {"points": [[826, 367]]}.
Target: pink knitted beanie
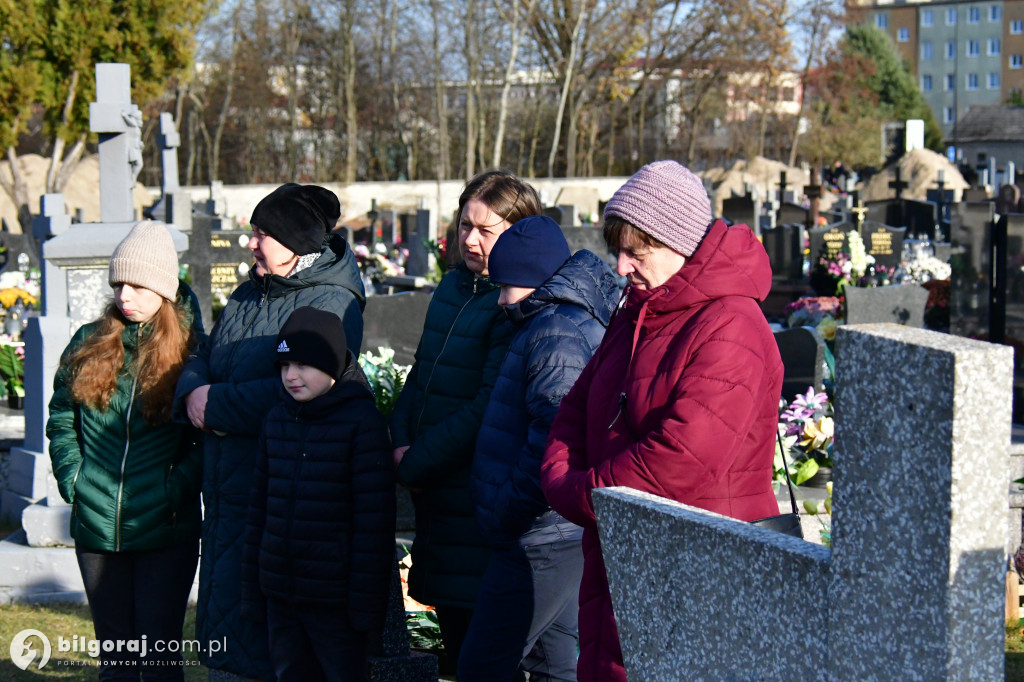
{"points": [[668, 202]]}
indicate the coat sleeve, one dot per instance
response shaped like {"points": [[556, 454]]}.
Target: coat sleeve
{"points": [[62, 426], [564, 471], [186, 476], [702, 425], [253, 603], [554, 365], [194, 374], [373, 523], [449, 444]]}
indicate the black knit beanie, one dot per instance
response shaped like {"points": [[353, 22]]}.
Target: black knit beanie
{"points": [[298, 216], [528, 253], [316, 338]]}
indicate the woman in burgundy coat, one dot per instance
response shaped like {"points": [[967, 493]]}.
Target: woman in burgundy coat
{"points": [[681, 399]]}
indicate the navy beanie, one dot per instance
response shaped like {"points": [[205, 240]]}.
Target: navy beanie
{"points": [[528, 253], [298, 216], [316, 338]]}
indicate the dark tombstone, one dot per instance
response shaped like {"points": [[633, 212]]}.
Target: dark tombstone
{"points": [[885, 244], [396, 322], [1009, 200], [741, 210], [975, 194], [827, 242], [418, 263], [785, 194], [387, 229], [589, 238], [784, 245], [943, 198], [899, 304], [568, 217], [395, 662], [554, 212], [813, 192], [792, 214], [214, 258], [919, 217], [898, 185], [803, 357]]}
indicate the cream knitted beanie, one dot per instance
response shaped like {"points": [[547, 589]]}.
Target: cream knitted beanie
{"points": [[147, 258], [668, 202]]}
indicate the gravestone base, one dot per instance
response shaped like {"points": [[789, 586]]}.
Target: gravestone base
{"points": [[27, 476], [12, 505], [414, 667], [47, 526], [38, 574]]}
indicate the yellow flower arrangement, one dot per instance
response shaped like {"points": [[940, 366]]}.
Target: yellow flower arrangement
{"points": [[10, 296]]}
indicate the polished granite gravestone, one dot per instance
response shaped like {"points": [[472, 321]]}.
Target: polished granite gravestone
{"points": [[898, 303], [803, 358], [885, 245], [913, 585]]}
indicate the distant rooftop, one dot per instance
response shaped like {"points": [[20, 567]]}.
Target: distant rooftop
{"points": [[991, 123]]}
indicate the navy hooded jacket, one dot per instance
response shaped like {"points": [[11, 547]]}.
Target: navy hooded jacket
{"points": [[558, 328]]}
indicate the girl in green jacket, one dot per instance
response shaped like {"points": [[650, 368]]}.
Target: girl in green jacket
{"points": [[131, 475]]}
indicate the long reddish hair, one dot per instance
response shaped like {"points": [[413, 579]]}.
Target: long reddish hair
{"points": [[99, 361]]}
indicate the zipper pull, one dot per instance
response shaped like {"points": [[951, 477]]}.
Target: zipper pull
{"points": [[259, 304], [622, 406]]}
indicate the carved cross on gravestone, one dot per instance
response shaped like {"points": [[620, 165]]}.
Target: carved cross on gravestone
{"points": [[898, 184], [813, 192], [782, 187], [119, 124], [860, 210]]}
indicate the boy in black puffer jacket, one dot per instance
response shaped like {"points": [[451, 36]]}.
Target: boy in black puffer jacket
{"points": [[319, 538]]}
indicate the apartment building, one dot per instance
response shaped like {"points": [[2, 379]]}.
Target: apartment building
{"points": [[964, 54]]}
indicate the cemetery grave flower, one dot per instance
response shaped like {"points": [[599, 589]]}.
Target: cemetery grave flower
{"points": [[386, 378], [10, 295], [12, 367], [810, 311], [825, 510], [808, 431]]}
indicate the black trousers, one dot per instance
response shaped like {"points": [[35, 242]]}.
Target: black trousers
{"points": [[314, 644], [139, 594]]}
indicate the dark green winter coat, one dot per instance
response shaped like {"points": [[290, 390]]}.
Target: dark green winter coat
{"points": [[238, 362], [465, 338], [132, 486]]}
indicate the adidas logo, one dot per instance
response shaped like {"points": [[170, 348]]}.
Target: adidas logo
{"points": [[283, 348]]}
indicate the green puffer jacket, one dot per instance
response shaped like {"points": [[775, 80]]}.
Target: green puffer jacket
{"points": [[465, 338], [132, 486]]}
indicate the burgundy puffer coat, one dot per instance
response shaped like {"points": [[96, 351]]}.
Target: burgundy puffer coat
{"points": [[681, 400]]}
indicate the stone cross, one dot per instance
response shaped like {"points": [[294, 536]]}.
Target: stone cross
{"points": [[782, 186], [898, 184], [813, 192], [913, 586], [169, 140], [860, 210], [119, 124]]}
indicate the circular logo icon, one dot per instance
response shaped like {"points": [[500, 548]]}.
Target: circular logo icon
{"points": [[23, 653]]}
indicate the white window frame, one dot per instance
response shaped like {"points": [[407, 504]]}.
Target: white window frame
{"points": [[927, 17], [951, 16], [948, 115], [881, 21], [1016, 61], [926, 83], [950, 49], [973, 15], [926, 49], [1016, 27], [995, 46], [903, 35], [995, 13], [949, 82], [993, 81], [971, 81], [973, 48]]}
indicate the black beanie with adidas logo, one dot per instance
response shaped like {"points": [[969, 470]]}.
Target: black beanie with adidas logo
{"points": [[316, 338]]}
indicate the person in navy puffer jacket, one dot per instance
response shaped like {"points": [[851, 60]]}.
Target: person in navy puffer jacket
{"points": [[526, 611]]}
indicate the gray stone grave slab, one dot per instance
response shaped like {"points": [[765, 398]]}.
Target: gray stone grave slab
{"points": [[803, 357], [901, 304], [885, 244], [913, 586], [589, 238]]}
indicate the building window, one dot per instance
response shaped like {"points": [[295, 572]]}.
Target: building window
{"points": [[1016, 27], [993, 81], [995, 13], [1015, 61], [951, 17], [903, 35], [973, 15], [950, 81], [994, 46], [927, 17], [926, 50], [881, 21], [926, 83], [973, 48], [972, 81], [950, 49], [948, 115]]}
